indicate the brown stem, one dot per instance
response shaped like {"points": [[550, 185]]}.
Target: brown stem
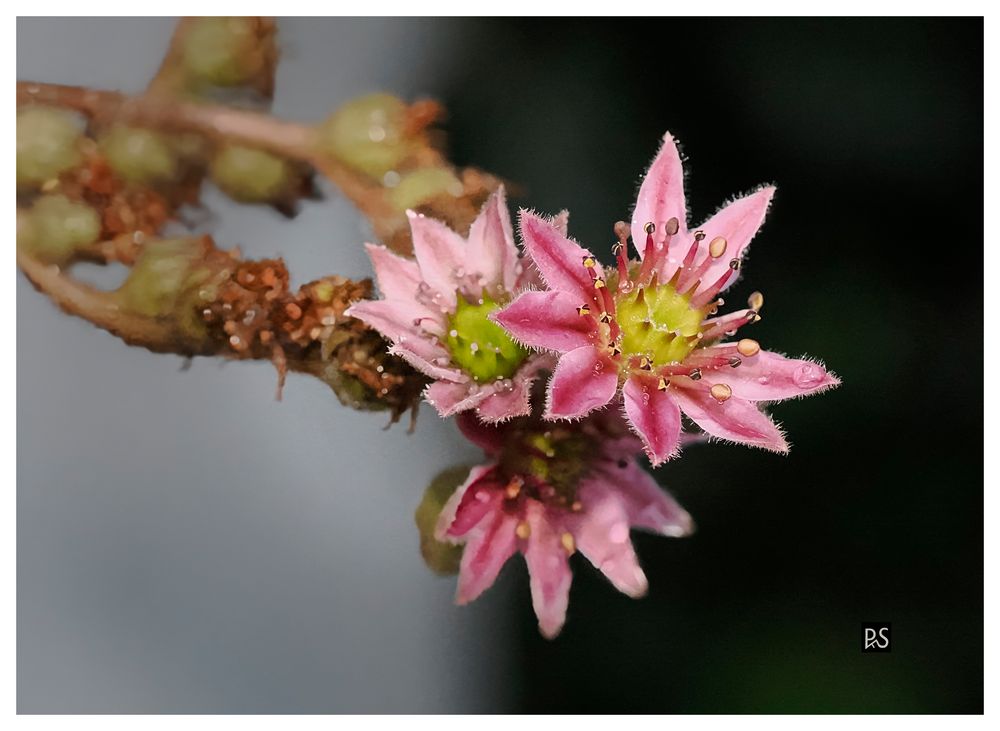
{"points": [[103, 309]]}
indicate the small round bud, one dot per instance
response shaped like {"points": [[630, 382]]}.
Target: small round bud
{"points": [[48, 143], [58, 227], [368, 134], [440, 557], [161, 275], [251, 176], [223, 51], [140, 155], [420, 186]]}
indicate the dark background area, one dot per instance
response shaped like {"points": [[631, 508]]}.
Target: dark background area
{"points": [[231, 564], [871, 260]]}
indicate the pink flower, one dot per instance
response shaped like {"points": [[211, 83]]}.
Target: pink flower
{"points": [[436, 311], [551, 491], [649, 330]]}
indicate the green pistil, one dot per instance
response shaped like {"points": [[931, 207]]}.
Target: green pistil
{"points": [[658, 323], [556, 457], [482, 348]]}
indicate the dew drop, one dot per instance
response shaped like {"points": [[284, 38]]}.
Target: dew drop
{"points": [[764, 380], [807, 375], [618, 533]]}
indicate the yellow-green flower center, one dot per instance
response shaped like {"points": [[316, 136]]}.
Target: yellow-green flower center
{"points": [[658, 323], [478, 345]]}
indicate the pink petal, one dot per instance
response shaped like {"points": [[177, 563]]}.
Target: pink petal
{"points": [[549, 570], [559, 259], [583, 380], [737, 223], [440, 253], [561, 222], [647, 504], [491, 252], [654, 415], [486, 551], [392, 318], [735, 419], [425, 366], [601, 531], [484, 496], [661, 196], [442, 531], [488, 437], [773, 377], [397, 277], [547, 320], [507, 403], [451, 398]]}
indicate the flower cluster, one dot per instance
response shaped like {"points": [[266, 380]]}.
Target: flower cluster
{"points": [[645, 337]]}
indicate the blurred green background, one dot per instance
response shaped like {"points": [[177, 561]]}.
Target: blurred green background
{"points": [[872, 130]]}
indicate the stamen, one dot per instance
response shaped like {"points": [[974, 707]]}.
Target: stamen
{"points": [[614, 350], [662, 384], [719, 326], [622, 231], [583, 309], [700, 300], [649, 255], [721, 392], [568, 544], [645, 363], [694, 374], [589, 263]]}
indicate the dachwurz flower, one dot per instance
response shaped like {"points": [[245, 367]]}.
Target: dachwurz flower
{"points": [[649, 330], [436, 313], [549, 491]]}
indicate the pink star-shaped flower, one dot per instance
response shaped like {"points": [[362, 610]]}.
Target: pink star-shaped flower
{"points": [[547, 494], [649, 330], [436, 310]]}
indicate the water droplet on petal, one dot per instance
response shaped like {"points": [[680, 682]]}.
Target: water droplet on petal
{"points": [[807, 375], [618, 533]]}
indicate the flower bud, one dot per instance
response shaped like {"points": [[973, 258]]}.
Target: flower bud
{"points": [[441, 558], [165, 272], [250, 175], [224, 51], [140, 155], [420, 186], [368, 134], [56, 227], [48, 143]]}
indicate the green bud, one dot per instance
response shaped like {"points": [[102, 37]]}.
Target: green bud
{"points": [[251, 176], [163, 276], [419, 186], [221, 51], [367, 134], [140, 155], [48, 143], [59, 226], [441, 558]]}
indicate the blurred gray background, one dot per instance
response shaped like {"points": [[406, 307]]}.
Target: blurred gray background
{"points": [[185, 542]]}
